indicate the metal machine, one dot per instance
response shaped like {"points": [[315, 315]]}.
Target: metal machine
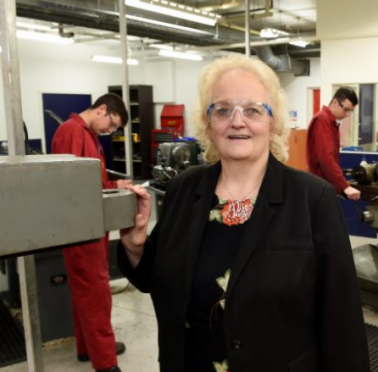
{"points": [[55, 200], [174, 157], [365, 179]]}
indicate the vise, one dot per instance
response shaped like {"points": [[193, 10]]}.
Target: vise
{"points": [[57, 200]]}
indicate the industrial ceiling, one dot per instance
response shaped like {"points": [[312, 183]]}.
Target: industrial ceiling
{"points": [[90, 21]]}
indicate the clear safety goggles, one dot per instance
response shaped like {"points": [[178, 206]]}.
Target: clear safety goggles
{"points": [[224, 111]]}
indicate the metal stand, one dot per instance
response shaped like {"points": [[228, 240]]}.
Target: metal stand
{"points": [[16, 146]]}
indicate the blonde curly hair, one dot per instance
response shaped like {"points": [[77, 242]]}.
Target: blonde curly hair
{"points": [[212, 73]]}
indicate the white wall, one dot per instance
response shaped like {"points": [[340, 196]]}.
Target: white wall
{"points": [[297, 89], [187, 76], [349, 43], [340, 19], [348, 61], [174, 82], [51, 68], [58, 69]]}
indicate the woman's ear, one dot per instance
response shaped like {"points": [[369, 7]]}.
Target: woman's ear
{"points": [[209, 133], [273, 129]]}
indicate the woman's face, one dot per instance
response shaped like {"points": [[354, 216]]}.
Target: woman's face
{"points": [[237, 135]]}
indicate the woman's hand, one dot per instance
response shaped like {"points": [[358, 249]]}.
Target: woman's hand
{"points": [[124, 184], [133, 238]]}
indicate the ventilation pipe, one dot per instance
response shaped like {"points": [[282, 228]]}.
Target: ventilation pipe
{"points": [[283, 62], [67, 35]]}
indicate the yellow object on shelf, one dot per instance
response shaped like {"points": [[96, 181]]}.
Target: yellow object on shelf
{"points": [[118, 138], [136, 137]]}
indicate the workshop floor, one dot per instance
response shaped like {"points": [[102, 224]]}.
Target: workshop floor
{"points": [[134, 323]]}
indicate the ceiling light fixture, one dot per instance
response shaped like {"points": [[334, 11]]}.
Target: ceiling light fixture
{"points": [[177, 27], [299, 43], [176, 10], [116, 60], [161, 46], [273, 33], [270, 33], [180, 55], [41, 36], [33, 26]]}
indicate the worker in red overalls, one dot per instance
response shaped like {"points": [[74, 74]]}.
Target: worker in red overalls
{"points": [[87, 264]]}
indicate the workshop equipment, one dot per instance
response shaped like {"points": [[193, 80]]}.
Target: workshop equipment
{"points": [[174, 157], [172, 118], [365, 179], [56, 200]]}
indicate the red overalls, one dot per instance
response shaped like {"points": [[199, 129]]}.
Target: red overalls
{"points": [[323, 149], [87, 264]]}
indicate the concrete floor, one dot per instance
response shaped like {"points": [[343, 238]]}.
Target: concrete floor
{"points": [[134, 323]]}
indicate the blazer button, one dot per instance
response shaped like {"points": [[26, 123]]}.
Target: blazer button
{"points": [[236, 344]]}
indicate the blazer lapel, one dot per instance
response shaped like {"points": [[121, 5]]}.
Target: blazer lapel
{"points": [[199, 218], [271, 192]]}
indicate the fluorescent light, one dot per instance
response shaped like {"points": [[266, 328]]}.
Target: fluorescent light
{"points": [[117, 60], [161, 46], [176, 10], [33, 26], [272, 33], [177, 27], [133, 62], [180, 55], [299, 43], [269, 33], [40, 36], [107, 59]]}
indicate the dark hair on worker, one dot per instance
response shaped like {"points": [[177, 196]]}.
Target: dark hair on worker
{"points": [[114, 104], [346, 93]]}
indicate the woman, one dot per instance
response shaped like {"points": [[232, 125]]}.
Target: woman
{"points": [[250, 266]]}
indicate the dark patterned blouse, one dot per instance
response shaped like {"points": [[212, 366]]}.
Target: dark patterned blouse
{"points": [[205, 346]]}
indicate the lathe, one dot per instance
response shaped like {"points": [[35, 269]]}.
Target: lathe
{"points": [[172, 158], [365, 178]]}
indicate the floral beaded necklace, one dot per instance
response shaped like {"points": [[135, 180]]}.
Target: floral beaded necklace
{"points": [[233, 211]]}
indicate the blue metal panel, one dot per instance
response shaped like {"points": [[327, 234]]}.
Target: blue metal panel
{"points": [[36, 144], [61, 105], [349, 159]]}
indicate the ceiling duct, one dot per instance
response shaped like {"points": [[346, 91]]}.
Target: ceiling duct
{"points": [[283, 62], [103, 15], [96, 14], [65, 34]]}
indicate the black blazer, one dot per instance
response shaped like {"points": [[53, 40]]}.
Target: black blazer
{"points": [[292, 302]]}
